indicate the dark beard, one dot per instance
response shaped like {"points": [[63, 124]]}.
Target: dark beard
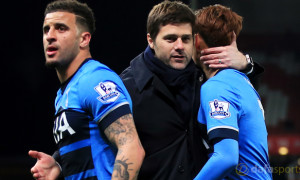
{"points": [[54, 65]]}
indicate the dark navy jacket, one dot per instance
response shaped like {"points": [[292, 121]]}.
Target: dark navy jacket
{"points": [[174, 149]]}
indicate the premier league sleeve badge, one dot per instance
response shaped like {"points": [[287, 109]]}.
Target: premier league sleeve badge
{"points": [[219, 109], [107, 91]]}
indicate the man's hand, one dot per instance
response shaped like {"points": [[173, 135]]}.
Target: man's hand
{"points": [[45, 168], [224, 56]]}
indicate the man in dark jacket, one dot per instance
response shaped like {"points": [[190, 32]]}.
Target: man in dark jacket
{"points": [[164, 85]]}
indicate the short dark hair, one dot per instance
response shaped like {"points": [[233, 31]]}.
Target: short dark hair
{"points": [[216, 24], [169, 13], [84, 14]]}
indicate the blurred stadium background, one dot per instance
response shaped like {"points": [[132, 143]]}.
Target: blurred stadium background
{"points": [[271, 35]]}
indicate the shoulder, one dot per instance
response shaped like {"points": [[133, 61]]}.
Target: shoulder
{"points": [[127, 75], [226, 78], [134, 64], [225, 84], [229, 73], [94, 76], [137, 75], [94, 67], [94, 72]]}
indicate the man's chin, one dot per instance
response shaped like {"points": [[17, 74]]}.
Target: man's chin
{"points": [[51, 64], [179, 66]]}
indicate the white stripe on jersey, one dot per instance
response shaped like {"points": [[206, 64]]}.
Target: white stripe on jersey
{"points": [[110, 110], [226, 127]]}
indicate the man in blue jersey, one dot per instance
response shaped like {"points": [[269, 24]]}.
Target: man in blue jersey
{"points": [[93, 126], [231, 112]]}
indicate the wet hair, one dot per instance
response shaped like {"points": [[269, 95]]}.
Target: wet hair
{"points": [[216, 24], [84, 14], [169, 13]]}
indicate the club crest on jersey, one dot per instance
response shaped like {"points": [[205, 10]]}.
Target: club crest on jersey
{"points": [[107, 91], [219, 109]]}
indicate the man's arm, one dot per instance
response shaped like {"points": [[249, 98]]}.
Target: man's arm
{"points": [[223, 160], [225, 56], [231, 57], [122, 133]]}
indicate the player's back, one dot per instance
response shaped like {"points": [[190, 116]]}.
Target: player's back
{"points": [[252, 133]]}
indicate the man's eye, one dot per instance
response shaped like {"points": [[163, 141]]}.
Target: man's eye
{"points": [[171, 39], [61, 28], [186, 39], [46, 29]]}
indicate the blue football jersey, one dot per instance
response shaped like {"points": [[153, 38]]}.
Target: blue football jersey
{"points": [[231, 108], [92, 99]]}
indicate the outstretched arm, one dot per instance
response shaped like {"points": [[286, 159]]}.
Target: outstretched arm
{"points": [[122, 133], [224, 56], [223, 160], [45, 168]]}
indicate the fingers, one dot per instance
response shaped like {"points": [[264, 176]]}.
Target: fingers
{"points": [[218, 66], [37, 176], [33, 170], [213, 50], [217, 63], [211, 57], [214, 58], [35, 173], [214, 61], [34, 154], [213, 53]]}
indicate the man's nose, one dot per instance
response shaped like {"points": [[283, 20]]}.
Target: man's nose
{"points": [[179, 44], [50, 35]]}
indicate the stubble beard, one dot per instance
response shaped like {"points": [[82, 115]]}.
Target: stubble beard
{"points": [[51, 65]]}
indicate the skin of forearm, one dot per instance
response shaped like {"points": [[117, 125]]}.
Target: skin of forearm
{"points": [[122, 133], [128, 161]]}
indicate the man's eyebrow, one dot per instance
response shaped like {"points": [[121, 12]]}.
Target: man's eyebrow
{"points": [[175, 35], [56, 24], [60, 24], [170, 35], [187, 35]]}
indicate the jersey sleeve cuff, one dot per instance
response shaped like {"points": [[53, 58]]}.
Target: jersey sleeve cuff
{"points": [[113, 116], [223, 133]]}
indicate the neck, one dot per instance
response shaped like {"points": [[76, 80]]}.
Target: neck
{"points": [[64, 73], [209, 72]]}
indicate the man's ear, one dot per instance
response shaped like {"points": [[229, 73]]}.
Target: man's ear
{"points": [[150, 41], [199, 43], [85, 39]]}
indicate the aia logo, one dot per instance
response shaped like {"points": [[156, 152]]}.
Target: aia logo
{"points": [[60, 126]]}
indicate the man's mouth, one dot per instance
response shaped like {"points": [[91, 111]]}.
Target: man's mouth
{"points": [[50, 51], [178, 58]]}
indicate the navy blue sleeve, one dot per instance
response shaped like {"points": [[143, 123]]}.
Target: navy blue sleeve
{"points": [[114, 115], [223, 133]]}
